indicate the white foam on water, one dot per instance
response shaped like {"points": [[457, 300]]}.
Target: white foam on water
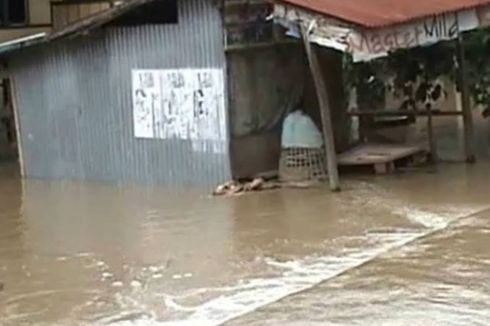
{"points": [[297, 275], [437, 220]]}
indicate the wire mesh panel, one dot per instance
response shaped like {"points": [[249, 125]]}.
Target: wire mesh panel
{"points": [[302, 164]]}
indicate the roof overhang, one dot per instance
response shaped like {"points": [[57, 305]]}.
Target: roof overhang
{"points": [[382, 13], [21, 42], [370, 43], [79, 27]]}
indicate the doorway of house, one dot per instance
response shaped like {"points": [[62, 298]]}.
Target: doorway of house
{"points": [[8, 134]]}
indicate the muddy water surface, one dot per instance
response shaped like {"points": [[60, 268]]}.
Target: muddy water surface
{"points": [[391, 250]]}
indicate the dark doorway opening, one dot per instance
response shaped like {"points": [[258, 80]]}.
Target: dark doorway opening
{"points": [[13, 13], [157, 12], [8, 133]]}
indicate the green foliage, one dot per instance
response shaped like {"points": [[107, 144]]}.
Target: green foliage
{"points": [[416, 73], [477, 46], [368, 82]]}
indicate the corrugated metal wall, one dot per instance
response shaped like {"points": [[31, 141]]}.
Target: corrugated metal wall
{"points": [[75, 102]]}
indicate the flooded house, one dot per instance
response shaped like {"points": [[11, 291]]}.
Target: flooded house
{"points": [[133, 92], [172, 92], [191, 92], [452, 126], [330, 38], [21, 22]]}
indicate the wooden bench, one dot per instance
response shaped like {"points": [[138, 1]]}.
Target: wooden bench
{"points": [[381, 156]]}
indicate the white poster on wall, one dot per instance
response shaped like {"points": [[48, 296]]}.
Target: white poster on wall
{"points": [[179, 104]]}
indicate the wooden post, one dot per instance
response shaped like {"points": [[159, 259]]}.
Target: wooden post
{"points": [[18, 134], [466, 103], [432, 140], [322, 94]]}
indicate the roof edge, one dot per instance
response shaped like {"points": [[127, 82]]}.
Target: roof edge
{"points": [[76, 28], [392, 22]]}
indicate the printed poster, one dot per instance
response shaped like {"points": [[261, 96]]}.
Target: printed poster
{"points": [[179, 104]]}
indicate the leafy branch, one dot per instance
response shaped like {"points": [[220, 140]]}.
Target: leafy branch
{"points": [[416, 74]]}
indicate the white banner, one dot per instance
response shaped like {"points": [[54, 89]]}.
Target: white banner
{"points": [[368, 44], [378, 43]]}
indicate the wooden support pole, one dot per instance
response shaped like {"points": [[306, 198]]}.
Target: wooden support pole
{"points": [[322, 94], [18, 133], [466, 103], [432, 139]]}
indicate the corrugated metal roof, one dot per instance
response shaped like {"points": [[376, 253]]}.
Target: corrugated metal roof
{"points": [[79, 27], [379, 13], [98, 19], [21, 42], [86, 131]]}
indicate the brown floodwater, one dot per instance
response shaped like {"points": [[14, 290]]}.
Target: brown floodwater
{"points": [[406, 249]]}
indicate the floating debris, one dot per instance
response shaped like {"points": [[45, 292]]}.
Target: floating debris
{"points": [[136, 284], [101, 263], [236, 187], [154, 269], [117, 284]]}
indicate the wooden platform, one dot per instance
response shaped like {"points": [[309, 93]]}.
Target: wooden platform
{"points": [[381, 156]]}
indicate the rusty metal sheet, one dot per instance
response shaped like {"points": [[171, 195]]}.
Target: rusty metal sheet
{"points": [[380, 13], [367, 44]]}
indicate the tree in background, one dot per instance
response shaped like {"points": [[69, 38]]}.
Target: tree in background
{"points": [[415, 75]]}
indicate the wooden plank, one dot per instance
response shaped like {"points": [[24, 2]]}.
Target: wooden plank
{"points": [[466, 103], [432, 139], [254, 46], [372, 154], [322, 93], [230, 3], [384, 168], [15, 109], [434, 113]]}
